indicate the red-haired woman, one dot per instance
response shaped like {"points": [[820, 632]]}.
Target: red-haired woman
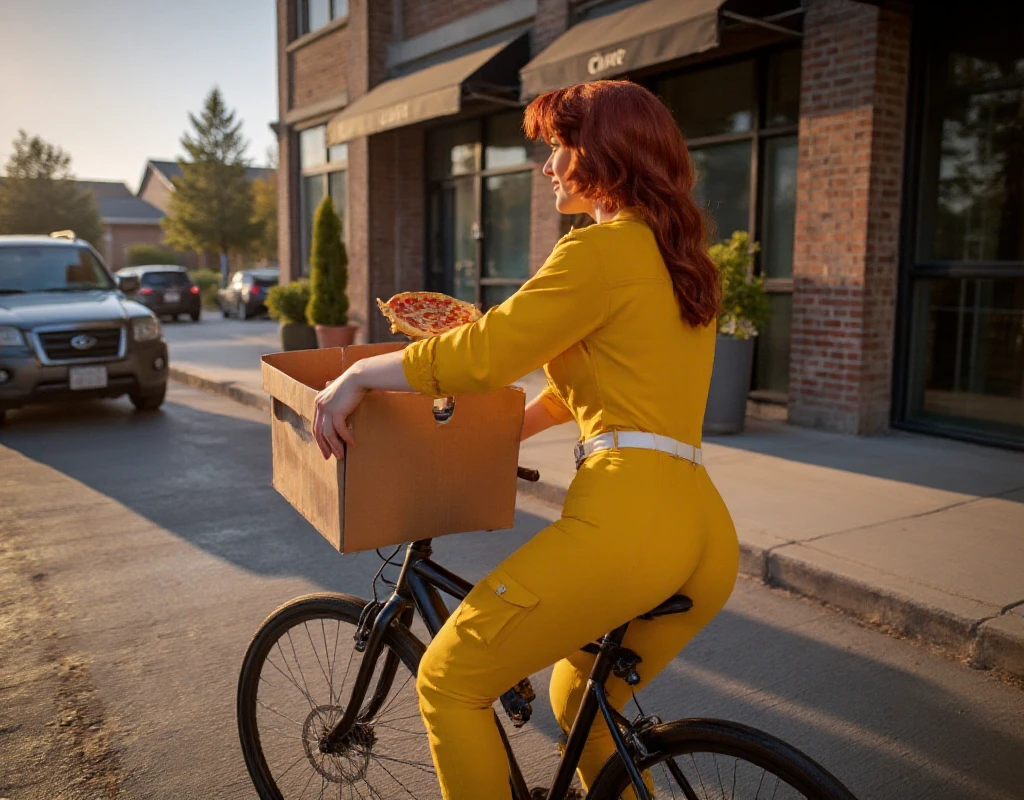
{"points": [[622, 318]]}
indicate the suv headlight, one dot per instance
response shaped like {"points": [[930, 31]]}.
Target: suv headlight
{"points": [[146, 329], [11, 337]]}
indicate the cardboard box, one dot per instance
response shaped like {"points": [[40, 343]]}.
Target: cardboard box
{"points": [[409, 476]]}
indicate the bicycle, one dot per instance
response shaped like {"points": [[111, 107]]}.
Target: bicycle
{"points": [[344, 745]]}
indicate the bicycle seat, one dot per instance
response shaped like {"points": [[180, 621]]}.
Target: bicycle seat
{"points": [[676, 604]]}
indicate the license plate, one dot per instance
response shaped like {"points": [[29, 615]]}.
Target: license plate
{"points": [[80, 378], [171, 297]]}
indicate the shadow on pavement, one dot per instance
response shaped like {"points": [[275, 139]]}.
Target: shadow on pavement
{"points": [[887, 732], [926, 461]]}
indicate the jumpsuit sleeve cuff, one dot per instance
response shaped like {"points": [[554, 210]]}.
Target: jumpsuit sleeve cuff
{"points": [[418, 366], [553, 403]]}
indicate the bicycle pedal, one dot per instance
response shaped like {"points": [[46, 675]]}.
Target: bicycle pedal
{"points": [[516, 702]]}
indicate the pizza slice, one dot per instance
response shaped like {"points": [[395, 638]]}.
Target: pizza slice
{"points": [[421, 315]]}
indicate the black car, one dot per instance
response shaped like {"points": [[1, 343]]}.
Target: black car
{"points": [[246, 293], [165, 290], [68, 330]]}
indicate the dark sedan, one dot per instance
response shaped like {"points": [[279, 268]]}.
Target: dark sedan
{"points": [[165, 290], [246, 293]]}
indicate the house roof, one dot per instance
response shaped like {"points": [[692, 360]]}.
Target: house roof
{"points": [[171, 169], [117, 203]]}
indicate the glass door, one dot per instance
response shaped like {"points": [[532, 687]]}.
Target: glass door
{"points": [[479, 201]]}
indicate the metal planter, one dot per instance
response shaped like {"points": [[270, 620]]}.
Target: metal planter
{"points": [[730, 384]]}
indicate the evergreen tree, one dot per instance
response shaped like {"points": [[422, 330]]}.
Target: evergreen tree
{"points": [[39, 193], [211, 208], [328, 301], [264, 217]]}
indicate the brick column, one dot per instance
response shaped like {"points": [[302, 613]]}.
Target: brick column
{"points": [[288, 237], [552, 21], [369, 26], [849, 179]]}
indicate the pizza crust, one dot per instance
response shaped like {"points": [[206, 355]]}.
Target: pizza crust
{"points": [[400, 324]]}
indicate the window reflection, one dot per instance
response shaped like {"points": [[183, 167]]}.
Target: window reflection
{"points": [[713, 101]]}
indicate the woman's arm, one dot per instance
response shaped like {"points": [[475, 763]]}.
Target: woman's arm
{"points": [[539, 417]]}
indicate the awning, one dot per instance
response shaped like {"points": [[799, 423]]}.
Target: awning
{"points": [[637, 36], [436, 91]]}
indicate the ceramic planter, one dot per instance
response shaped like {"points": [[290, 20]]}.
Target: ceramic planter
{"points": [[730, 384], [336, 335]]}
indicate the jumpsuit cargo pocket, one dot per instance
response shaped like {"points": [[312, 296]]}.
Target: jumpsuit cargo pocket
{"points": [[494, 609]]}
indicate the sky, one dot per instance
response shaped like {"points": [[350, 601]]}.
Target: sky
{"points": [[112, 81]]}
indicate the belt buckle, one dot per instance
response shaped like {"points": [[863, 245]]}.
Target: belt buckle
{"points": [[580, 455]]}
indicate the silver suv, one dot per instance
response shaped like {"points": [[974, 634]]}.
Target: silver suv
{"points": [[67, 330]]}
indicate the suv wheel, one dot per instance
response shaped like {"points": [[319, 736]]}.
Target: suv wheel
{"points": [[150, 401]]}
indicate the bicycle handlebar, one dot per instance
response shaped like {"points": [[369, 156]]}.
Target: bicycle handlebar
{"points": [[527, 474]]}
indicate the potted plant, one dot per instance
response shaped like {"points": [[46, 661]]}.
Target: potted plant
{"points": [[745, 312], [287, 304], [327, 311]]}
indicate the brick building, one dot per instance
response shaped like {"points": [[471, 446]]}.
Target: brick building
{"points": [[874, 149]]}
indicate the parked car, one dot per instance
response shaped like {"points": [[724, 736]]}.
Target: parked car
{"points": [[165, 290], [246, 293], [68, 329]]}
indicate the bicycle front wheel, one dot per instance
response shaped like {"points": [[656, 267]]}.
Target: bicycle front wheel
{"points": [[295, 684], [707, 759]]}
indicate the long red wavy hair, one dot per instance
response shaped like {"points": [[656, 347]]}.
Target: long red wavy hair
{"points": [[627, 152]]}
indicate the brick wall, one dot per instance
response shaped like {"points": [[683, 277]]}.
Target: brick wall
{"points": [[851, 141], [420, 16], [288, 254], [118, 238], [319, 69]]}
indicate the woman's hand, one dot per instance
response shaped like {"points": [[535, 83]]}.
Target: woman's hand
{"points": [[334, 405]]}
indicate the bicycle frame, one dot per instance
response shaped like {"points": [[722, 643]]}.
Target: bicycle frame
{"points": [[418, 590]]}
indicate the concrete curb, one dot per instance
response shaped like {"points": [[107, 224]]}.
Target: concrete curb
{"points": [[234, 391], [996, 643]]}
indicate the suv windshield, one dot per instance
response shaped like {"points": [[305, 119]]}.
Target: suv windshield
{"points": [[49, 268], [165, 280]]}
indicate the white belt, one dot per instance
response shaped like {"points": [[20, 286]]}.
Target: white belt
{"points": [[616, 440]]}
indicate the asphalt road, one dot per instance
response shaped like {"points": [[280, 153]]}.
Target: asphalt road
{"points": [[140, 552]]}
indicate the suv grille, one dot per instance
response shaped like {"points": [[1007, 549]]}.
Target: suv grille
{"points": [[58, 347]]}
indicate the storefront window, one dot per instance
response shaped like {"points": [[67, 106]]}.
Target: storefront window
{"points": [[479, 205], [968, 354], [322, 172], [723, 185], [965, 343], [734, 117], [712, 102]]}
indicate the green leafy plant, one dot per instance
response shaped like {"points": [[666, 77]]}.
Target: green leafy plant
{"points": [[287, 303], [745, 306], [328, 301], [140, 255]]}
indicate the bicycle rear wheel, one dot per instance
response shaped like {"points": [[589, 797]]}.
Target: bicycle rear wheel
{"points": [[295, 683], [707, 759]]}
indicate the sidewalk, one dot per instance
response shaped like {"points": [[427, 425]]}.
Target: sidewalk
{"points": [[919, 534]]}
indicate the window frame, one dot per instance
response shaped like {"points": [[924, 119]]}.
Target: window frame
{"points": [[926, 45], [478, 177], [323, 170], [334, 12], [758, 135]]}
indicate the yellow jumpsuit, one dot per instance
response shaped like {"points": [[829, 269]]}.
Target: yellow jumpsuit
{"points": [[637, 525]]}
